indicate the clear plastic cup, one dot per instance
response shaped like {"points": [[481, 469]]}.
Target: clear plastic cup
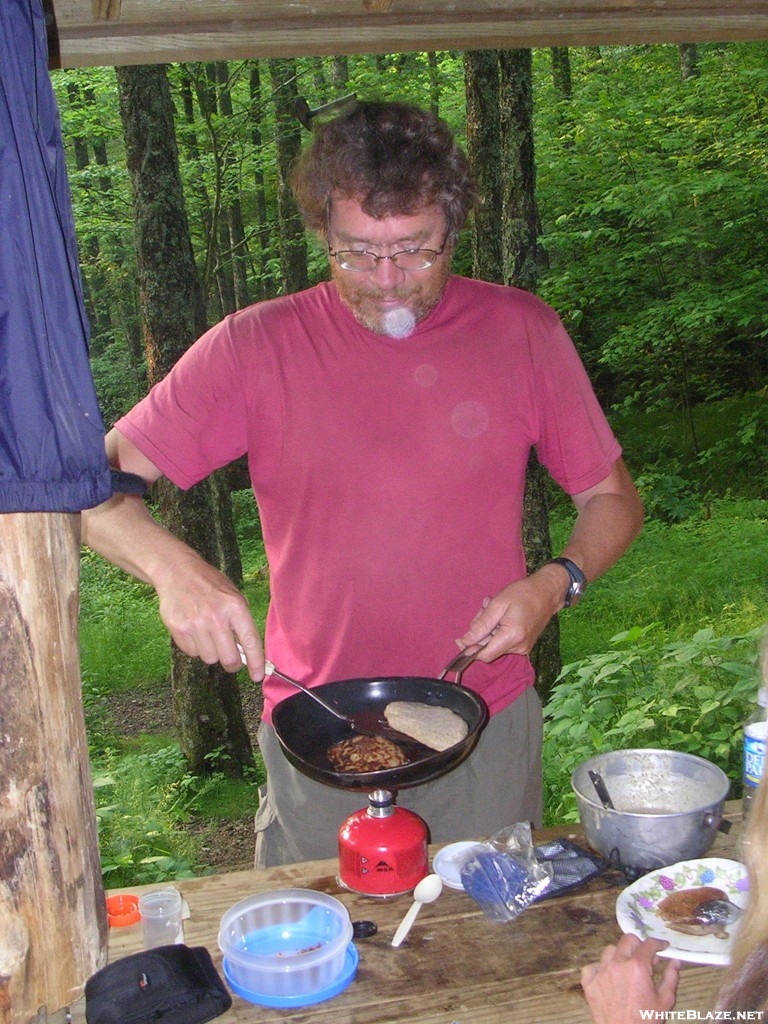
{"points": [[161, 917]]}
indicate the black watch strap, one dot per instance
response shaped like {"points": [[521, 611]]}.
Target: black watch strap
{"points": [[578, 582]]}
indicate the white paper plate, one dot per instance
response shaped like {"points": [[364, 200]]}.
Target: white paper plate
{"points": [[447, 862], [636, 907]]}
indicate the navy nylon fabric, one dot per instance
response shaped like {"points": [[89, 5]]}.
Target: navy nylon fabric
{"points": [[52, 456]]}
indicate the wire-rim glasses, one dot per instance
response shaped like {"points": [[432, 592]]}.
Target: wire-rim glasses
{"points": [[364, 262]]}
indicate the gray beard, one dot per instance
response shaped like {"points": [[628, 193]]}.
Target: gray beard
{"points": [[399, 323]]}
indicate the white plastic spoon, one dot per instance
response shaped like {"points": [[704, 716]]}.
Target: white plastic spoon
{"points": [[428, 889]]}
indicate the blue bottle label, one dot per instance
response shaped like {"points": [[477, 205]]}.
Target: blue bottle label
{"points": [[754, 759]]}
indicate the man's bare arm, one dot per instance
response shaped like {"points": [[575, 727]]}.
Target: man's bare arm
{"points": [[205, 613]]}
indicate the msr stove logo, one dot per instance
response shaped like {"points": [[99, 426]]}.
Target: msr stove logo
{"points": [[382, 867]]}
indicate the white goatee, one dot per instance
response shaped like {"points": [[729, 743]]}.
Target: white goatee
{"points": [[398, 323]]}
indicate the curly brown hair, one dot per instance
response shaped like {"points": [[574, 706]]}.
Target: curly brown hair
{"points": [[394, 158]]}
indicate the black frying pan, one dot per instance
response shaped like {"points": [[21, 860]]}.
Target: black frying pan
{"points": [[306, 731]]}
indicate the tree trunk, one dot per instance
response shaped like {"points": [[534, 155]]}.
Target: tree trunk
{"points": [[481, 81], [561, 71], [198, 191], [293, 250], [689, 61], [265, 283], [519, 213], [339, 72], [206, 700], [237, 245], [434, 83], [53, 922], [500, 146], [521, 227]]}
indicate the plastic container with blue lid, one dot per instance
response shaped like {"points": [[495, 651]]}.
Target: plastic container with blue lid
{"points": [[284, 1002], [288, 943]]}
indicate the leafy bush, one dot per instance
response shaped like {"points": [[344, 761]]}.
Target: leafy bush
{"points": [[728, 456], [140, 801], [744, 452], [691, 696], [667, 496]]}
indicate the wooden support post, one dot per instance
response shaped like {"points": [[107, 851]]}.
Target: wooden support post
{"points": [[53, 927]]}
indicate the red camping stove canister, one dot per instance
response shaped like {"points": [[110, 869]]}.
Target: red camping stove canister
{"points": [[382, 848]]}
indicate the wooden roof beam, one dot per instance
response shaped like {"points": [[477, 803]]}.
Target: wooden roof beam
{"points": [[104, 32]]}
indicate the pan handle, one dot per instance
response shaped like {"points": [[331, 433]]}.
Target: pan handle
{"points": [[460, 662]]}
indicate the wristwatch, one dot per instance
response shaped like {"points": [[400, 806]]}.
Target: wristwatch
{"points": [[578, 583]]}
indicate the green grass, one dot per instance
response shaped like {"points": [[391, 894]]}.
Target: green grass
{"points": [[706, 572], [227, 798]]}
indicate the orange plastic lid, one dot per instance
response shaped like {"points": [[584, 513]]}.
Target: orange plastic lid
{"points": [[122, 910]]}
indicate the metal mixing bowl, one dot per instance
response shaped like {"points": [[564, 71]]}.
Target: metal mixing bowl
{"points": [[667, 806]]}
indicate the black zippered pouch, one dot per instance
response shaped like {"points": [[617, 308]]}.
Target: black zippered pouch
{"points": [[165, 985]]}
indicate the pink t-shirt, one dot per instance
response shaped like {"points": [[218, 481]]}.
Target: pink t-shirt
{"points": [[388, 473]]}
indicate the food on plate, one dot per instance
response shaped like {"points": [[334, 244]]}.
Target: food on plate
{"points": [[695, 911], [437, 728], [365, 754]]}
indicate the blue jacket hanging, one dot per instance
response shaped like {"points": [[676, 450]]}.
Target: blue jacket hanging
{"points": [[52, 454]]}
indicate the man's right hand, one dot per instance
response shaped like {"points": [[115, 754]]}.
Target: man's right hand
{"points": [[208, 617]]}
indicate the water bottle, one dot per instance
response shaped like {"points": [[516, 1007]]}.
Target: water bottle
{"points": [[755, 735]]}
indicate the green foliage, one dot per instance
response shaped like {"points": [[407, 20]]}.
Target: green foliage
{"points": [[690, 696], [649, 187], [120, 380], [99, 724], [248, 529], [706, 571], [649, 190], [140, 801], [667, 496], [225, 798], [731, 451], [743, 455], [115, 605]]}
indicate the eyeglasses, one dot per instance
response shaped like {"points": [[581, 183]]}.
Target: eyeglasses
{"points": [[364, 262]]}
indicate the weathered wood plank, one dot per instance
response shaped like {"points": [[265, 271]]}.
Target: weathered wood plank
{"points": [[53, 927], [455, 967], [149, 31]]}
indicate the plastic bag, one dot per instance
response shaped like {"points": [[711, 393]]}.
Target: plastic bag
{"points": [[504, 875]]}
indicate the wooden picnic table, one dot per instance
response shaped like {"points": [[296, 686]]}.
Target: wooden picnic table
{"points": [[456, 967]]}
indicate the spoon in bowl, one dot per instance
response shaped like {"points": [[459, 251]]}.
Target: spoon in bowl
{"points": [[428, 889], [601, 789]]}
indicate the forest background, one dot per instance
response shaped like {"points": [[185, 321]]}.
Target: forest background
{"points": [[650, 185]]}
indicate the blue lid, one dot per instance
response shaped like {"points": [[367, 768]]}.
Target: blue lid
{"points": [[348, 971]]}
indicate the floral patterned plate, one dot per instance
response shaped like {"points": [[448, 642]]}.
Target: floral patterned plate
{"points": [[636, 907]]}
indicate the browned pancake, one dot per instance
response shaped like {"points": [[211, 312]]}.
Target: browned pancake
{"points": [[679, 906], [365, 754]]}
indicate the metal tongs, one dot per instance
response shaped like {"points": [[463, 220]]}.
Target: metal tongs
{"points": [[371, 721]]}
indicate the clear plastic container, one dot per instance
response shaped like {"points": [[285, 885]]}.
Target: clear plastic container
{"points": [[289, 942]]}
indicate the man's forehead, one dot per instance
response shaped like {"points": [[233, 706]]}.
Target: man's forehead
{"points": [[348, 220]]}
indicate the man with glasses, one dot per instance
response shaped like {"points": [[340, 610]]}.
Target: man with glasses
{"points": [[388, 416]]}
